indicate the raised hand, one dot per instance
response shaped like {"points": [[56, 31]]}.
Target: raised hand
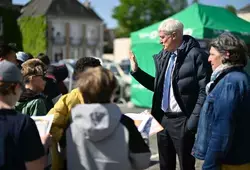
{"points": [[133, 62]]}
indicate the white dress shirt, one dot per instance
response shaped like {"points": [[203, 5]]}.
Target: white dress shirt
{"points": [[173, 105]]}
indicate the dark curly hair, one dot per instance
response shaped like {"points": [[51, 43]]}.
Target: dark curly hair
{"points": [[233, 49], [85, 62], [6, 49], [44, 58]]}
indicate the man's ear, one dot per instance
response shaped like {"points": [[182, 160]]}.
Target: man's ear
{"points": [[174, 35], [1, 58]]}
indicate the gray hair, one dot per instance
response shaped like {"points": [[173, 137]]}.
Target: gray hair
{"points": [[233, 49], [168, 26]]}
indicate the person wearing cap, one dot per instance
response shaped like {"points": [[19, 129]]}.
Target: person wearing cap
{"points": [[7, 52], [20, 144], [223, 139], [32, 102], [22, 57]]}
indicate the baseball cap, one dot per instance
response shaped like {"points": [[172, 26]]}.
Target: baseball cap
{"points": [[9, 72], [22, 56]]}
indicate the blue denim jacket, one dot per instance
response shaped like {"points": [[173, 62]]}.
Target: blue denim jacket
{"points": [[223, 132]]}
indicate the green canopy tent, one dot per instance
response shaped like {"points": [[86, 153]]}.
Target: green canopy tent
{"points": [[200, 21]]}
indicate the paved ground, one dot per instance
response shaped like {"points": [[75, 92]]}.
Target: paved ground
{"points": [[153, 141]]}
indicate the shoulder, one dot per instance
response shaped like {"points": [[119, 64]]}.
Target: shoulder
{"points": [[68, 100], [127, 121], [50, 80], [16, 118], [75, 91], [198, 54], [158, 55], [74, 96], [37, 101], [236, 77], [234, 81]]}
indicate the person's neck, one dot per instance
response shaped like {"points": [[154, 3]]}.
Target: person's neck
{"points": [[5, 103]]}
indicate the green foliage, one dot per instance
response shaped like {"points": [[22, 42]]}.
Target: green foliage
{"points": [[133, 15], [33, 31], [11, 31]]}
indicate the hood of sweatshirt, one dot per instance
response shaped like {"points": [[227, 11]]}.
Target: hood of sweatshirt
{"points": [[96, 121]]}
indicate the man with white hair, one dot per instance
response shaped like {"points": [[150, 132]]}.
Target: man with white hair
{"points": [[182, 72]]}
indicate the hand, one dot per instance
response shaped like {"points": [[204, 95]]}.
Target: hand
{"points": [[46, 141], [133, 62]]}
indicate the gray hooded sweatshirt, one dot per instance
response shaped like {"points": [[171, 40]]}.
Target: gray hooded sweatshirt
{"points": [[100, 137]]}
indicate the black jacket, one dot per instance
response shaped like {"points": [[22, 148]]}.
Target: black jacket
{"points": [[190, 76], [51, 92], [59, 73]]}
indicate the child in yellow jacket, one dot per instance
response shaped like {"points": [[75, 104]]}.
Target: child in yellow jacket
{"points": [[62, 110]]}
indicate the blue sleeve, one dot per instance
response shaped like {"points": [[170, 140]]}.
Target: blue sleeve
{"points": [[222, 127], [30, 142]]}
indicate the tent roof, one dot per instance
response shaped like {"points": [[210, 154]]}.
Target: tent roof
{"points": [[245, 9], [68, 8], [200, 21]]}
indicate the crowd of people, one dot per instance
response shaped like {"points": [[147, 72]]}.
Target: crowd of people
{"points": [[201, 100], [30, 85]]}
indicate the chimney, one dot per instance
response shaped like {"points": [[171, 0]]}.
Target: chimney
{"points": [[87, 3]]}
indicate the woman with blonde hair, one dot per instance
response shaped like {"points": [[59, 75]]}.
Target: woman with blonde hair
{"points": [[100, 137]]}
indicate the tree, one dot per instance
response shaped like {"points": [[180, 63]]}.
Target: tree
{"points": [[195, 1], [178, 5], [133, 15], [231, 8]]}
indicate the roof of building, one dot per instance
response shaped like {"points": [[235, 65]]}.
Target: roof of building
{"points": [[69, 8], [8, 4], [245, 9]]}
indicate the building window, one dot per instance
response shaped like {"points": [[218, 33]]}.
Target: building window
{"points": [[75, 53]]}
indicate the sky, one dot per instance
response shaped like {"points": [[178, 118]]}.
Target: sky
{"points": [[104, 8]]}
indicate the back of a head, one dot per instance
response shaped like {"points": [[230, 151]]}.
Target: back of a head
{"points": [[60, 72], [9, 76], [169, 26], [97, 85], [6, 49], [85, 62], [44, 58]]}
